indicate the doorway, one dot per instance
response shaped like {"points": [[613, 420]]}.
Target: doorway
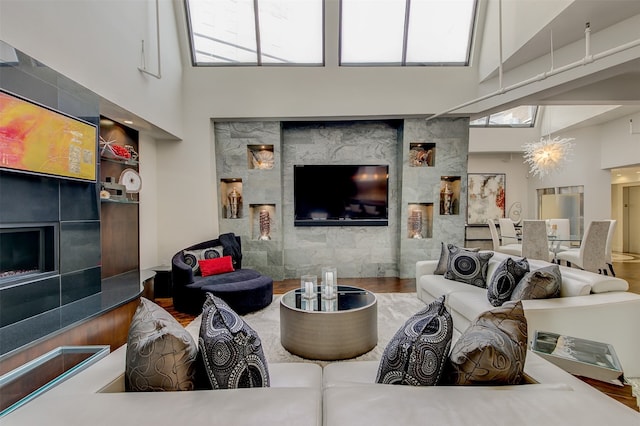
{"points": [[631, 224]]}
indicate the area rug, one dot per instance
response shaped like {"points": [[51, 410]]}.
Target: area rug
{"points": [[393, 310]]}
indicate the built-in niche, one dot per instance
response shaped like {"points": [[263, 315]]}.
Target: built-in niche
{"points": [[231, 198], [422, 154], [262, 221], [450, 195], [260, 157], [420, 220]]}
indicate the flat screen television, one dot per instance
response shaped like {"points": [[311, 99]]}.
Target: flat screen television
{"points": [[341, 195]]}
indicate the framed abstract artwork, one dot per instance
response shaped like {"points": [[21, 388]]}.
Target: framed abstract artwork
{"points": [[485, 197], [37, 139]]}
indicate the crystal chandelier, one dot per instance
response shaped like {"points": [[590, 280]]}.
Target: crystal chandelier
{"points": [[547, 156]]}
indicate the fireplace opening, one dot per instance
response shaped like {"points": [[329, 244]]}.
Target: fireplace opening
{"points": [[27, 250]]}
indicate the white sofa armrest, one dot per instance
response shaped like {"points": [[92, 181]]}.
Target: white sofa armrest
{"points": [[605, 317], [425, 267]]}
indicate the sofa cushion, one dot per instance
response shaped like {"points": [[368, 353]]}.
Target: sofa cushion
{"points": [[467, 266], [191, 257], [230, 351], [492, 350], [437, 285], [505, 278], [417, 353], [216, 266], [443, 262], [542, 283], [606, 284], [161, 354], [465, 306]]}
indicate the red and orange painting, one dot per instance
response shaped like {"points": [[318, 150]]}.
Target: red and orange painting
{"points": [[39, 140]]}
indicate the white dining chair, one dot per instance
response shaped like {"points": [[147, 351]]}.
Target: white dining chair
{"points": [[535, 244], [512, 249], [508, 231], [591, 254]]}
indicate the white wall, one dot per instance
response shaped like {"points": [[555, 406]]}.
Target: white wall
{"points": [[521, 19], [619, 146], [98, 45], [516, 175], [584, 168]]}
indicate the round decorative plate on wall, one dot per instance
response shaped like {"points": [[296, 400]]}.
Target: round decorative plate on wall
{"points": [[131, 180]]}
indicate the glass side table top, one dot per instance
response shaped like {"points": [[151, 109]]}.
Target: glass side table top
{"points": [[347, 298], [32, 379]]}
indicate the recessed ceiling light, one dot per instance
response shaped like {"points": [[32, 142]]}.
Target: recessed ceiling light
{"points": [[128, 122]]}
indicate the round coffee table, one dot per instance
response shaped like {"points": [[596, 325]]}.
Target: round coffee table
{"points": [[329, 329]]}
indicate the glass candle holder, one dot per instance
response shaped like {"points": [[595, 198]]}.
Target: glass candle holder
{"points": [[329, 285], [308, 284]]}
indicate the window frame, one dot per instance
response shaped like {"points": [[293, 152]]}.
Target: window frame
{"points": [[258, 63]]}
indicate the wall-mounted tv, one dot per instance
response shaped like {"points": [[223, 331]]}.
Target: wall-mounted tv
{"points": [[341, 195], [37, 139]]}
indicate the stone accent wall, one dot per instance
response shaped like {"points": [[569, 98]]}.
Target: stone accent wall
{"points": [[356, 251], [422, 185], [259, 188]]}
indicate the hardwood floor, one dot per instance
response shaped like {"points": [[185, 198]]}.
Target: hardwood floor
{"points": [[376, 285], [629, 271]]}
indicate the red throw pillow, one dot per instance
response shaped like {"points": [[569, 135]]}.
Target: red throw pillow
{"points": [[219, 265]]}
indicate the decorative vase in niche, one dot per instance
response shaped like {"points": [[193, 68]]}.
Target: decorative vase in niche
{"points": [[265, 225], [448, 199], [234, 203], [415, 224]]}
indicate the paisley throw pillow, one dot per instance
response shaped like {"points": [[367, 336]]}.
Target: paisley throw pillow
{"points": [[505, 279], [230, 352], [417, 353]]}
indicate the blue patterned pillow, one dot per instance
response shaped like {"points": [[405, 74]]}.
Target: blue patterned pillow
{"points": [[505, 279], [467, 266], [229, 350], [417, 353]]}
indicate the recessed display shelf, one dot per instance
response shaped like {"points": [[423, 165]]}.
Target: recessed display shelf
{"points": [[260, 157], [231, 198], [450, 195], [419, 220], [422, 154], [263, 224]]}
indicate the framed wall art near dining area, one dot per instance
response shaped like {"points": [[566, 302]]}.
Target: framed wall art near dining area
{"points": [[485, 197]]}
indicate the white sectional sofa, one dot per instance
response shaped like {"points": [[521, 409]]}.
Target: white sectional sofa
{"points": [[591, 306], [554, 397], [343, 393], [96, 397]]}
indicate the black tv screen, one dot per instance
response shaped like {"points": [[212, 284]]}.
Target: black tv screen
{"points": [[341, 195]]}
